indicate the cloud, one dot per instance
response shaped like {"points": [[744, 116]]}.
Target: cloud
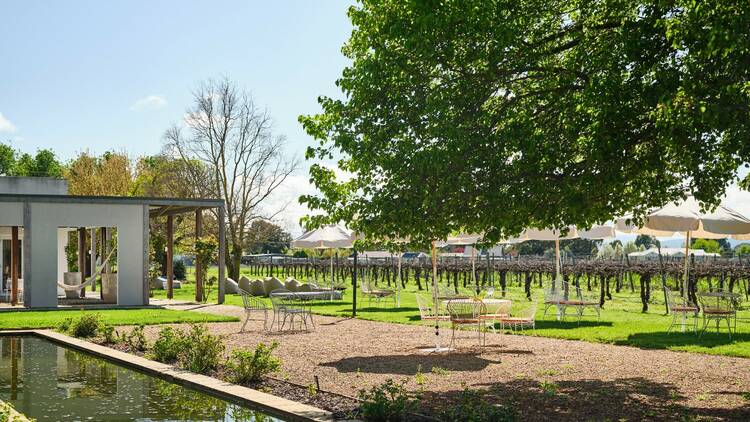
{"points": [[6, 125], [148, 103]]}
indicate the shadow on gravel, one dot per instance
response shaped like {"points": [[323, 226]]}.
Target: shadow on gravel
{"points": [[583, 400], [663, 340], [399, 365]]}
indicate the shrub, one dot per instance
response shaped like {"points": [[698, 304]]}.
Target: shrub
{"points": [[471, 407], [203, 350], [136, 339], [178, 269], [388, 402], [169, 345], [246, 366], [109, 336], [84, 327], [64, 325]]}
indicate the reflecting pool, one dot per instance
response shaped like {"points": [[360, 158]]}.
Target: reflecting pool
{"points": [[48, 382]]}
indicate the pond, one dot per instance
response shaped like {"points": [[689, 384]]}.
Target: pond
{"points": [[48, 382]]}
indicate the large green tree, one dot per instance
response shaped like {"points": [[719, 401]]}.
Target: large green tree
{"points": [[266, 237], [495, 115], [42, 164]]}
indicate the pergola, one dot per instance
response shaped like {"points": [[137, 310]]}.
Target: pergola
{"points": [[40, 217]]}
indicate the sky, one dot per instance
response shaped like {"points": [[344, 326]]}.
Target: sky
{"points": [[114, 75]]}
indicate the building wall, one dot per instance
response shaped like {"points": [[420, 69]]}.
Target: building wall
{"points": [[33, 185], [41, 243]]}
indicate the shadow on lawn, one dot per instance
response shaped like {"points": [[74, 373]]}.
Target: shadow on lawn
{"points": [[663, 339], [410, 364], [570, 325], [582, 400]]}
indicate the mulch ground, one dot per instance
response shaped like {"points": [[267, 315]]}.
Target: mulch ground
{"points": [[541, 378]]}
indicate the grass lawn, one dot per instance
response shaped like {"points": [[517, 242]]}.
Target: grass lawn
{"points": [[622, 321], [50, 319]]}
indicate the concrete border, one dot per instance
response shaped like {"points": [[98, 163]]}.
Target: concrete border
{"points": [[276, 406]]}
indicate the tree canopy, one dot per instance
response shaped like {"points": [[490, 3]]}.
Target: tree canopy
{"points": [[491, 116], [43, 164]]}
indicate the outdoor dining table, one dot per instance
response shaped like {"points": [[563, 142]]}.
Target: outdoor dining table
{"points": [[489, 303], [306, 295]]}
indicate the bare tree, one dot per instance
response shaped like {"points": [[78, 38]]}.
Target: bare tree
{"points": [[244, 159]]}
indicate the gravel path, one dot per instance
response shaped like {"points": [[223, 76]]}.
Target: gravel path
{"points": [[542, 378]]}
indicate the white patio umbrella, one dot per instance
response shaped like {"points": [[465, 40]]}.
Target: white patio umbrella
{"points": [[596, 232], [465, 239], [687, 217], [326, 237]]}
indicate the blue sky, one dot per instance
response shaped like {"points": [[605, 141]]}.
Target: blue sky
{"points": [[104, 75], [113, 75]]}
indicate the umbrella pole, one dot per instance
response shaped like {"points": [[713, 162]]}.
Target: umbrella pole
{"points": [[473, 268], [557, 274], [438, 348], [686, 282], [398, 282], [354, 287]]}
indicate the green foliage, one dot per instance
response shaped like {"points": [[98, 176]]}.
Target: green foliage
{"points": [[266, 237], [646, 241], [708, 245], [548, 387], [471, 407], [742, 249], [169, 345], [43, 164], [108, 334], [85, 326], [136, 339], [205, 250], [578, 111], [204, 350], [247, 367], [178, 269], [388, 402]]}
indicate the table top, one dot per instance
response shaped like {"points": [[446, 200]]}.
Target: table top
{"points": [[305, 294], [489, 301], [719, 294]]}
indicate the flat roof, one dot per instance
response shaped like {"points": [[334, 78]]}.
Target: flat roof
{"points": [[158, 206]]}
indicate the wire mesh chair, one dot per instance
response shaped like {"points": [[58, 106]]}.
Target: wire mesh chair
{"points": [[524, 319], [279, 308], [430, 313], [377, 294], [680, 308], [466, 313], [718, 306], [253, 305], [494, 311], [296, 307]]}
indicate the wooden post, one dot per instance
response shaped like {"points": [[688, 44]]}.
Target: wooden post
{"points": [[14, 265], [82, 256], [170, 250], [93, 257], [198, 266]]}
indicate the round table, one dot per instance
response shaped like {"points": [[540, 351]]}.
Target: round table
{"points": [[308, 295], [488, 301]]}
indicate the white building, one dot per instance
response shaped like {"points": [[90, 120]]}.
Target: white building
{"points": [[41, 214]]}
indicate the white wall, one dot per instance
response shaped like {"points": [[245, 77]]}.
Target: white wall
{"points": [[42, 243], [33, 185]]}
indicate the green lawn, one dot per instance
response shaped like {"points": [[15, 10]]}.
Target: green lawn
{"points": [[50, 319], [622, 321]]}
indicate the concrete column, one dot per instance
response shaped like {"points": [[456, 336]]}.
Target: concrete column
{"points": [[146, 248], [14, 265], [170, 251], [93, 257], [198, 266], [82, 256]]}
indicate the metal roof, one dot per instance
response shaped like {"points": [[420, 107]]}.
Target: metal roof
{"points": [[158, 206]]}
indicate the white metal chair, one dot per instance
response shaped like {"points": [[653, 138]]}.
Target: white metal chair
{"points": [[524, 319], [466, 313], [428, 312], [494, 311], [253, 305], [718, 306], [680, 308]]}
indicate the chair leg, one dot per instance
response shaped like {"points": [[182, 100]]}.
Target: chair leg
{"points": [[265, 319], [247, 318]]}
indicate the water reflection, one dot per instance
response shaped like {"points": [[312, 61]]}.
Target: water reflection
{"points": [[51, 383]]}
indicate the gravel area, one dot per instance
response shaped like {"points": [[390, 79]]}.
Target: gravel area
{"points": [[541, 378]]}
